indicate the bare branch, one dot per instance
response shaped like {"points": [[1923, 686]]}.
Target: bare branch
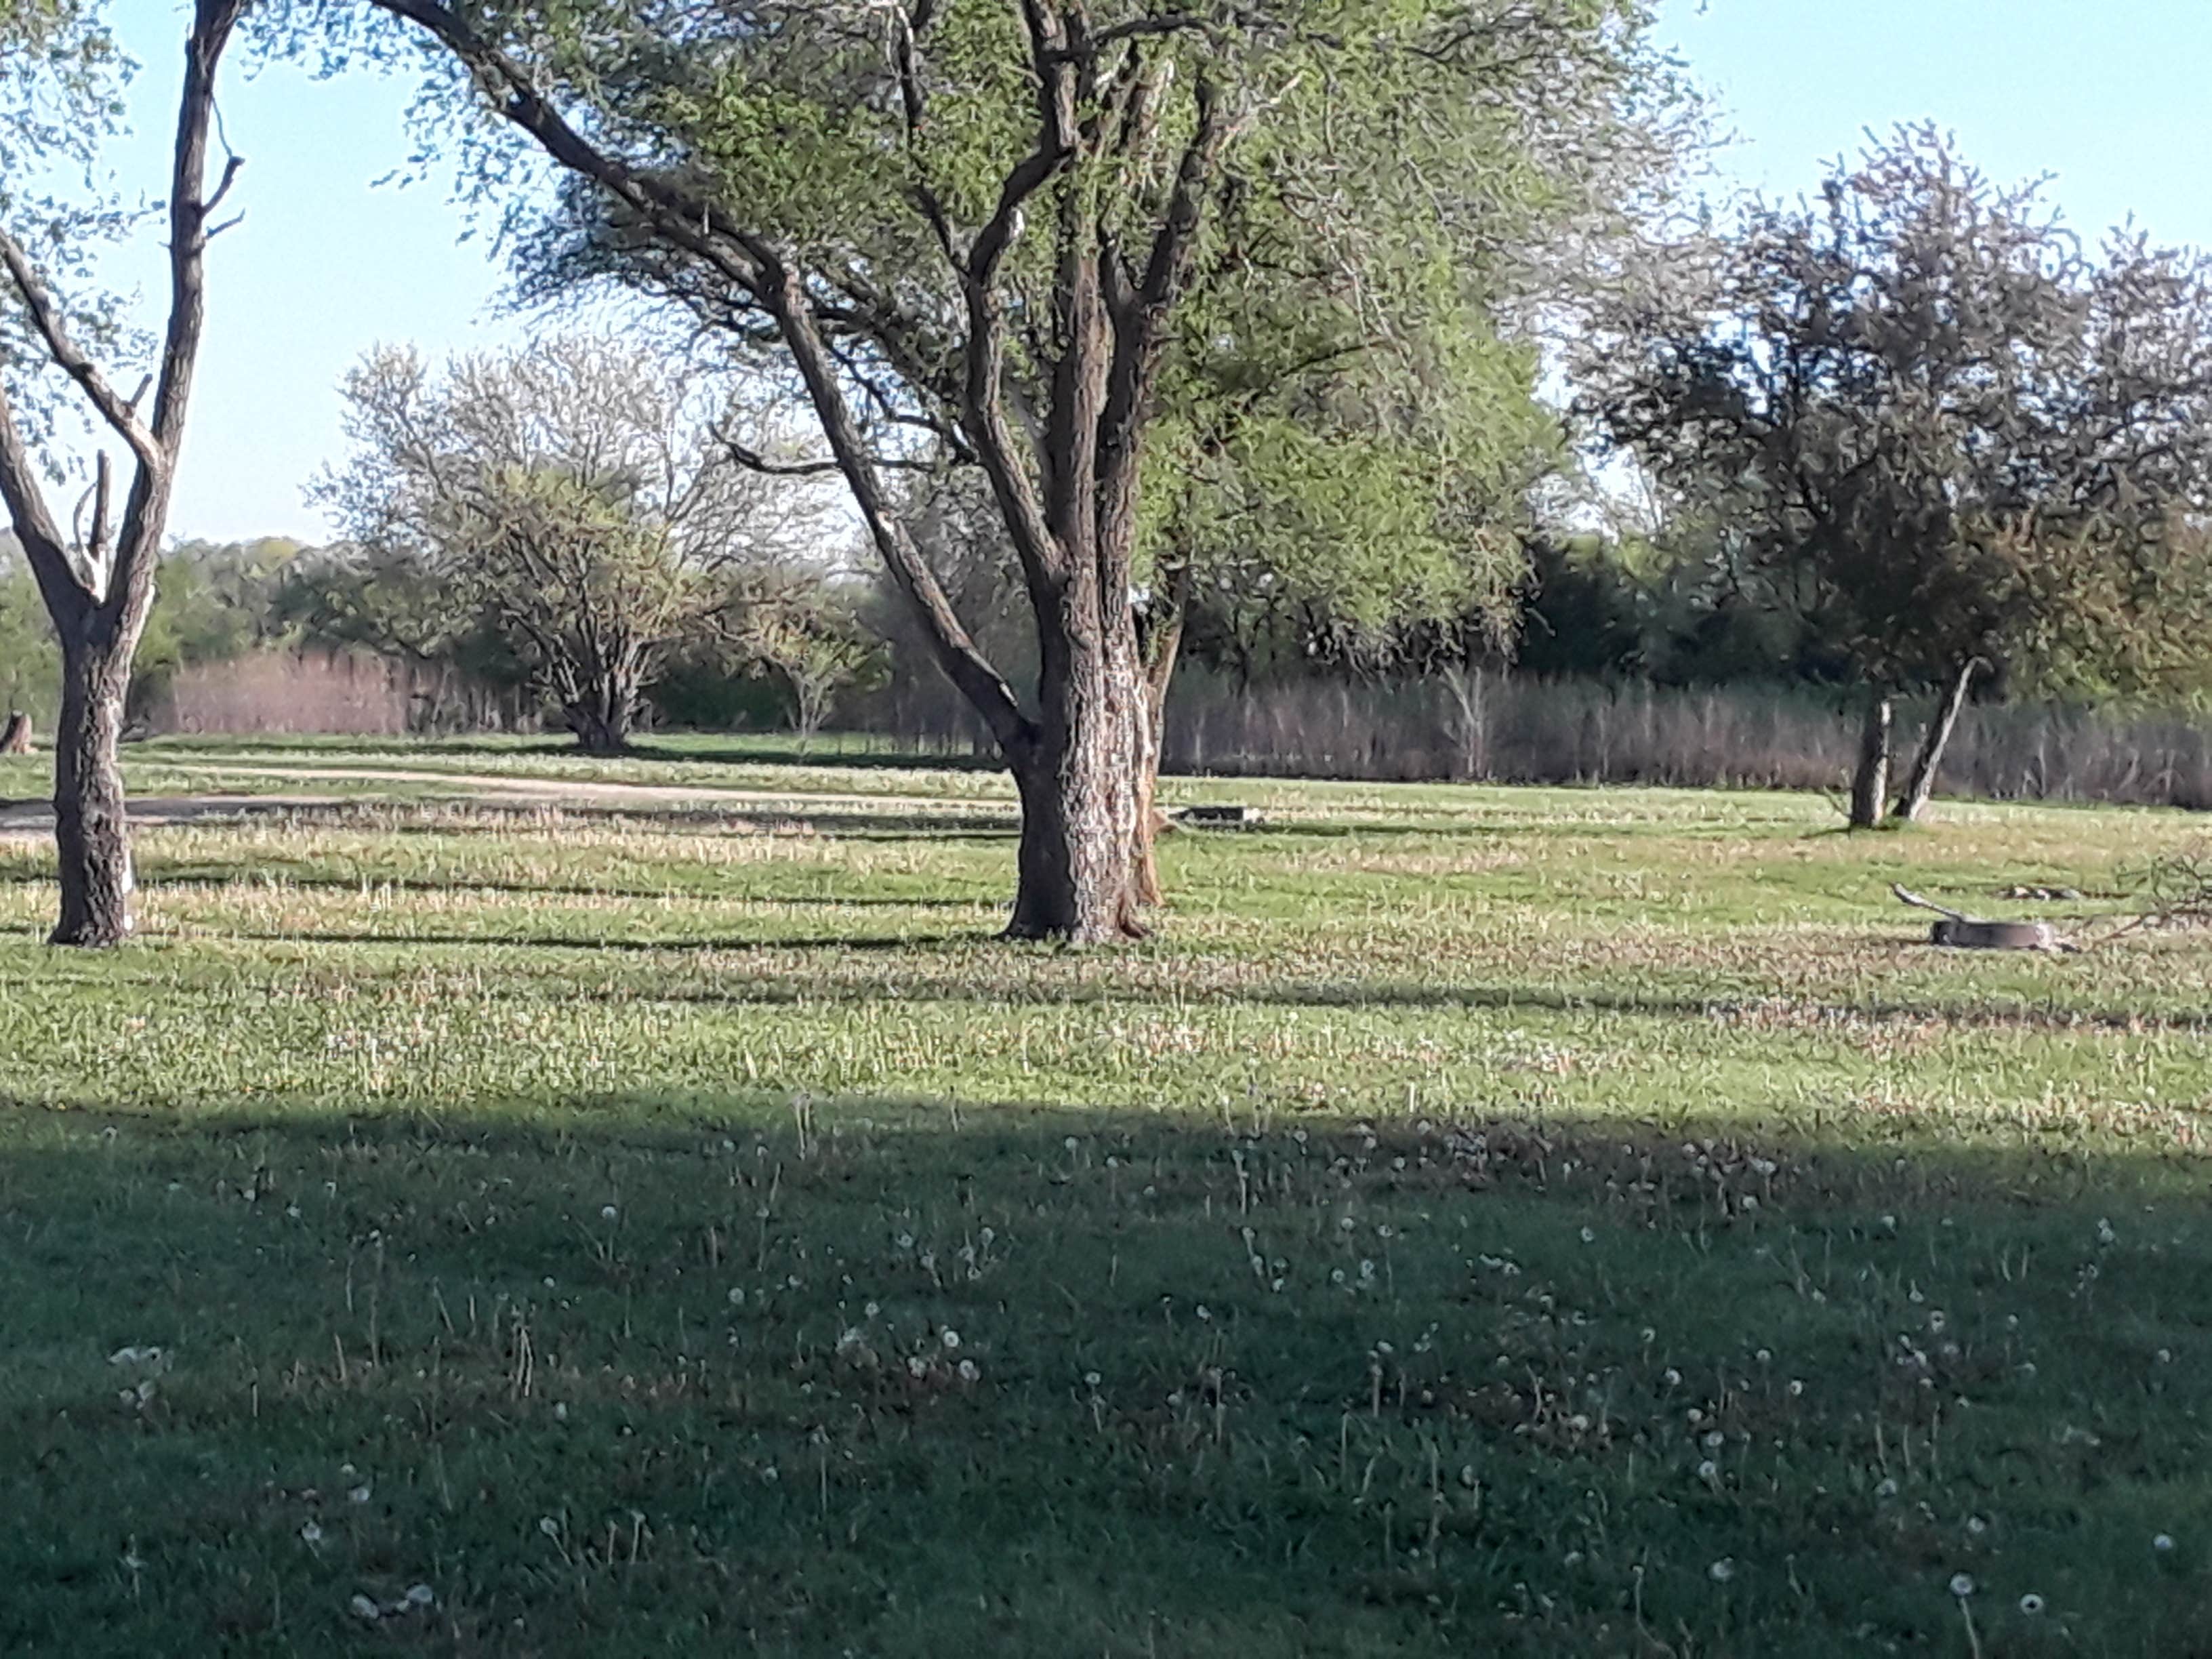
{"points": [[46, 317]]}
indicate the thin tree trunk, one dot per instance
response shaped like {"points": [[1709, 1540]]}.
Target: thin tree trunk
{"points": [[1163, 645], [1870, 782], [1920, 783], [92, 830]]}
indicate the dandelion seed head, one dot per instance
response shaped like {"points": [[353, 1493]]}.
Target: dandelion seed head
{"points": [[1962, 1585]]}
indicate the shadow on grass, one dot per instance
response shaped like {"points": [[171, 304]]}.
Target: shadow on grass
{"points": [[1012, 1379]]}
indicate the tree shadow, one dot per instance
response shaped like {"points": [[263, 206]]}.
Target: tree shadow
{"points": [[1145, 1360]]}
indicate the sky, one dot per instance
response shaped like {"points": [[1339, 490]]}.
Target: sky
{"points": [[2106, 95]]}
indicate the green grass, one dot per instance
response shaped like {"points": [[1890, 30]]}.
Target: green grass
{"points": [[569, 1212]]}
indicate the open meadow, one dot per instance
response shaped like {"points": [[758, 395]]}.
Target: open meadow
{"points": [[510, 1205]]}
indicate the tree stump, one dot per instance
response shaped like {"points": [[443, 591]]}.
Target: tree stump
{"points": [[15, 736]]}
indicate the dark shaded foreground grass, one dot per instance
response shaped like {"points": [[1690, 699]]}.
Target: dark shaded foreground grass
{"points": [[860, 1380]]}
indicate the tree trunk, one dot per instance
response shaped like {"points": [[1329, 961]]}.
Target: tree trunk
{"points": [[1080, 793], [1163, 644], [1920, 783], [1870, 782], [91, 830], [15, 739], [601, 720]]}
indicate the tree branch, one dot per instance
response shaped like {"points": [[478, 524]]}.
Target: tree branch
{"points": [[46, 318]]}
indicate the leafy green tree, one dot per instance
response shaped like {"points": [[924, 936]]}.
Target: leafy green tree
{"points": [[30, 661], [983, 225], [96, 576], [1924, 416]]}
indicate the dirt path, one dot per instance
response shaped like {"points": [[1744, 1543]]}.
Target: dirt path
{"points": [[559, 791], [22, 819]]}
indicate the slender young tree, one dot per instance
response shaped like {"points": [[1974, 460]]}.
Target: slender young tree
{"points": [[975, 223], [98, 582]]}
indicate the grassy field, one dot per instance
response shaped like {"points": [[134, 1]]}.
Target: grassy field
{"points": [[1483, 1221]]}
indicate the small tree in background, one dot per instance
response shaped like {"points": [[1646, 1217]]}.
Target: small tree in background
{"points": [[96, 576], [811, 640], [573, 504], [1919, 411]]}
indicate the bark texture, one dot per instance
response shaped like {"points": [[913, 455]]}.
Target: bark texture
{"points": [[1920, 782], [1870, 780], [91, 830]]}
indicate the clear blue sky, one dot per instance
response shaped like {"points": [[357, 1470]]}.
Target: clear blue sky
{"points": [[2107, 95]]}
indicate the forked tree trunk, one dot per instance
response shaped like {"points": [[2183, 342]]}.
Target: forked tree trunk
{"points": [[1079, 792], [91, 830], [602, 718], [1870, 779], [1920, 782]]}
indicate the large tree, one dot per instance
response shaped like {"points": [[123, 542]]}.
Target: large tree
{"points": [[978, 224], [578, 504], [1919, 411], [97, 577]]}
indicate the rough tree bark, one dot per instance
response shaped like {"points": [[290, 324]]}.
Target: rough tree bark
{"points": [[1870, 778], [1920, 782], [98, 591], [91, 825]]}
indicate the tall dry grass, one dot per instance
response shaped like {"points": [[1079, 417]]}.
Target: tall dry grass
{"points": [[341, 693], [1504, 728]]}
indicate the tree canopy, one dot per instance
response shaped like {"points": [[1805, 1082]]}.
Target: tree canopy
{"points": [[992, 228], [1922, 411], [576, 505]]}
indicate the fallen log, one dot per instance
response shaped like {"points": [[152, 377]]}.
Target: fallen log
{"points": [[1963, 933]]}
